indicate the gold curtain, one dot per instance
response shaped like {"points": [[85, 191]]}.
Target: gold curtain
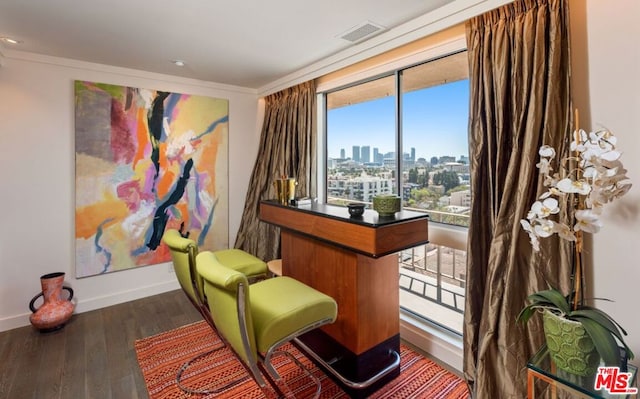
{"points": [[520, 99], [287, 147]]}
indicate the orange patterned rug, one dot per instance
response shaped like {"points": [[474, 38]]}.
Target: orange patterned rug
{"points": [[161, 356]]}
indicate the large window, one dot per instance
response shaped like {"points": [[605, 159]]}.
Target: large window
{"points": [[425, 109], [406, 133]]}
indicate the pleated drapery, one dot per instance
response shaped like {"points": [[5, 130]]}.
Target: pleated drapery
{"points": [[520, 99], [287, 148]]}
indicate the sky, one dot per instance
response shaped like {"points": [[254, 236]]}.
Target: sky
{"points": [[435, 122]]}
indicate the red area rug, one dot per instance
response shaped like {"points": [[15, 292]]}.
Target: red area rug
{"points": [[161, 356]]}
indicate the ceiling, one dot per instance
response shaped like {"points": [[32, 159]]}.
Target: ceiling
{"points": [[235, 42]]}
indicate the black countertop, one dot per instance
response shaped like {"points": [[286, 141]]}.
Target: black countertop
{"points": [[369, 218]]}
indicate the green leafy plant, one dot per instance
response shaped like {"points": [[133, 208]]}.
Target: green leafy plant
{"points": [[603, 330]]}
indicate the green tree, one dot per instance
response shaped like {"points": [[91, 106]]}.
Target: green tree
{"points": [[446, 178], [424, 197], [413, 175]]}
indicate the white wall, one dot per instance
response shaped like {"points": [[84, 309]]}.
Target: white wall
{"points": [[613, 64], [37, 178]]}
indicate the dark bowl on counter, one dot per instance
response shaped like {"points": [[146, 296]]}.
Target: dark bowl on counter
{"points": [[355, 209]]}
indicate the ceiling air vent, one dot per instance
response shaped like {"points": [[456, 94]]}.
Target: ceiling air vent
{"points": [[362, 31]]}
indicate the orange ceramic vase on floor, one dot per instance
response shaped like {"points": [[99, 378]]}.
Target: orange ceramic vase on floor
{"points": [[55, 311]]}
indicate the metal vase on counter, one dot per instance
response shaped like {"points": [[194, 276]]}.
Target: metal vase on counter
{"points": [[56, 310], [286, 190]]}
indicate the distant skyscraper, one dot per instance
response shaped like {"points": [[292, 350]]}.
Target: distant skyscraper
{"points": [[365, 154], [376, 156], [356, 153], [413, 154], [342, 153]]}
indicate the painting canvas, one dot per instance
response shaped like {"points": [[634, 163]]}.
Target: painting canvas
{"points": [[146, 161]]}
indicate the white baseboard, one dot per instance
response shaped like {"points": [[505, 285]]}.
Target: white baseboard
{"points": [[86, 305], [442, 345]]}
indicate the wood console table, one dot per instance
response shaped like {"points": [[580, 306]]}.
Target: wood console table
{"points": [[354, 261]]}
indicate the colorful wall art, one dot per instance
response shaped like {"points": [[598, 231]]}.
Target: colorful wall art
{"points": [[146, 161]]}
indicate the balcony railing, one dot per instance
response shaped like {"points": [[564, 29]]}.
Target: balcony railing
{"points": [[432, 284]]}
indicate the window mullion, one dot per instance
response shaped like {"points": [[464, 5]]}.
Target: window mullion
{"points": [[399, 154]]}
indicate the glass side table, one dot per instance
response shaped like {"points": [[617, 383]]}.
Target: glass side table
{"points": [[541, 367]]}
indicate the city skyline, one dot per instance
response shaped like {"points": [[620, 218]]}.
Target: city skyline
{"points": [[373, 151], [434, 122]]}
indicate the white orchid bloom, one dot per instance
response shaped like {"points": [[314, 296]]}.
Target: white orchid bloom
{"points": [[547, 151], [587, 221], [569, 186], [590, 154], [564, 231], [611, 155], [545, 208], [596, 177], [590, 172], [544, 228], [544, 165]]}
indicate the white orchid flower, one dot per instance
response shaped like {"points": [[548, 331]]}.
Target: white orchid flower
{"points": [[587, 221], [564, 231], [590, 172], [611, 155], [569, 186], [547, 151], [544, 165], [544, 228], [594, 174], [545, 208]]}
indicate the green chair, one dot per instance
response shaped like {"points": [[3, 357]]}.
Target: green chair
{"points": [[255, 320], [183, 253]]}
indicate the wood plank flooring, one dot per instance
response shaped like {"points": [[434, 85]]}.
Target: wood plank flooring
{"points": [[93, 355]]}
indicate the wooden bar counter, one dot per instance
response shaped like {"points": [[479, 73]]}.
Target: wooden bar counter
{"points": [[354, 260]]}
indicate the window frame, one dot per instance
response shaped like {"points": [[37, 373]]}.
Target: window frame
{"points": [[451, 48]]}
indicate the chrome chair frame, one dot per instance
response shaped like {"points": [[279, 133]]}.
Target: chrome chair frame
{"points": [[263, 365]]}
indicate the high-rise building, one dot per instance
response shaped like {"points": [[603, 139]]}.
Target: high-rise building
{"points": [[365, 154], [342, 153], [413, 154], [376, 156], [356, 153]]}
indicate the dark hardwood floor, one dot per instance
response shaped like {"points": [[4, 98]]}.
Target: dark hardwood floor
{"points": [[93, 355]]}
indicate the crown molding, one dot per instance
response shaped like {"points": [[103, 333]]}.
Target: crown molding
{"points": [[136, 73]]}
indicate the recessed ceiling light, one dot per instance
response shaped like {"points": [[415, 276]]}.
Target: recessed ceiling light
{"points": [[179, 63], [10, 40]]}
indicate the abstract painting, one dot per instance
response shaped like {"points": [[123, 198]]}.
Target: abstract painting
{"points": [[146, 161]]}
